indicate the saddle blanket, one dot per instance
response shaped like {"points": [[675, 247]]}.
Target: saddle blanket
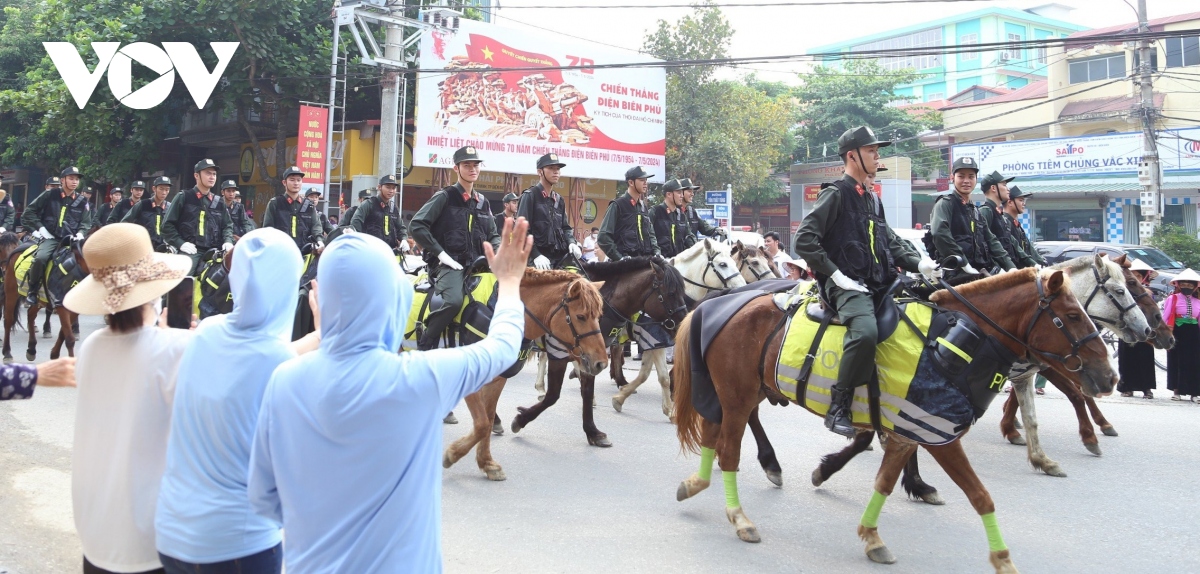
{"points": [[472, 320], [916, 401]]}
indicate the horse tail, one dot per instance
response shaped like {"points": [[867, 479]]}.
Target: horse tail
{"points": [[687, 420]]}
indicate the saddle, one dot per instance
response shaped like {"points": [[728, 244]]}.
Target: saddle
{"points": [[887, 312], [60, 275]]}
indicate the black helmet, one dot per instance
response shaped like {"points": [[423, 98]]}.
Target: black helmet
{"points": [[292, 171], [993, 178], [162, 180], [71, 171], [637, 173], [228, 184], [465, 154], [137, 184], [549, 160], [964, 163], [510, 196], [861, 136], [672, 185]]}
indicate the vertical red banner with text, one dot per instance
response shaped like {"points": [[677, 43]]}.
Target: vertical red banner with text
{"points": [[310, 145]]}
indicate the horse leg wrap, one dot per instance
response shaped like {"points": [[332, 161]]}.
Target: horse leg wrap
{"points": [[995, 541], [870, 517], [731, 493], [706, 459]]}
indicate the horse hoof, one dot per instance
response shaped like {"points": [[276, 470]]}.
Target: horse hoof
{"points": [[1002, 562], [30, 356], [691, 487], [617, 404], [600, 440], [776, 477], [749, 534], [497, 428], [817, 480], [450, 419], [1053, 469], [541, 397], [447, 460], [745, 529], [8, 359], [881, 555], [516, 428], [1017, 440], [932, 498], [495, 474], [1109, 431], [1093, 448]]}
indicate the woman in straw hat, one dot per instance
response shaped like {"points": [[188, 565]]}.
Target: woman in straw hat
{"points": [[126, 374], [1136, 361], [1180, 311]]}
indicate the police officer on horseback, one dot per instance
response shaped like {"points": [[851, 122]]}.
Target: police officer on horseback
{"points": [[348, 217], [8, 213], [670, 228], [958, 227], [451, 228], [197, 220], [1025, 255], [627, 230], [847, 242], [314, 195], [511, 201], [105, 211], [379, 216], [150, 213], [546, 212], [996, 197], [293, 214], [58, 215], [695, 223], [136, 190], [242, 224]]}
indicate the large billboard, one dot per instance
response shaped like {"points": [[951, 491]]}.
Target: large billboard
{"points": [[600, 122], [1179, 150]]}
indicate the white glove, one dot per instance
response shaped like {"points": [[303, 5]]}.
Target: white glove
{"points": [[541, 262], [449, 261], [404, 248], [42, 233], [187, 248], [320, 245], [573, 248], [968, 269], [227, 247], [929, 268], [2, 230], [78, 236], [847, 283]]}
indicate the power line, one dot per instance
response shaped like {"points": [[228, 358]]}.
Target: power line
{"points": [[725, 5]]}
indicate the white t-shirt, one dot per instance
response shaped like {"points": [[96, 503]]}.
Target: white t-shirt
{"points": [[122, 419], [589, 242], [779, 259]]}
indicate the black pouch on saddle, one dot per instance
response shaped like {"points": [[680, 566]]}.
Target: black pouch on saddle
{"points": [[215, 297], [975, 362], [64, 276]]}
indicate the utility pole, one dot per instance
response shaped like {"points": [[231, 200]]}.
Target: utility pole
{"points": [[1149, 174], [389, 128]]}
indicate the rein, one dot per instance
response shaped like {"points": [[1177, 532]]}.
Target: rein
{"points": [[709, 266], [1043, 307], [565, 304], [655, 287], [1102, 288], [744, 262]]}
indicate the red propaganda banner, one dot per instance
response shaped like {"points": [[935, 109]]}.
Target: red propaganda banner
{"points": [[310, 145], [811, 192]]}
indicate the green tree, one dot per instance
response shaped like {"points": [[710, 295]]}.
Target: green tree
{"points": [[833, 101], [1178, 244]]}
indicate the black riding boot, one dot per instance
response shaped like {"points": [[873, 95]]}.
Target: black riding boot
{"points": [[838, 417], [36, 270]]}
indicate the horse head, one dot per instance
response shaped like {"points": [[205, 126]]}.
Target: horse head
{"points": [[753, 263], [1163, 337], [567, 308], [707, 266], [1100, 283], [1068, 337], [671, 302], [8, 244]]}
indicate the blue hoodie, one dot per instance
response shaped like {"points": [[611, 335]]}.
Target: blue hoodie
{"points": [[349, 444], [204, 514]]}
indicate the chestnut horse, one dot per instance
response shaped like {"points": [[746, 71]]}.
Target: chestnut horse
{"points": [[12, 302], [1026, 311], [561, 306]]}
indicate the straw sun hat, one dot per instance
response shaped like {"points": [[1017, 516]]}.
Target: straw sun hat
{"points": [[125, 271]]}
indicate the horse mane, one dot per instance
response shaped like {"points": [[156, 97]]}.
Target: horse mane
{"points": [[988, 285], [537, 277], [1076, 264], [589, 296], [698, 248], [605, 270]]}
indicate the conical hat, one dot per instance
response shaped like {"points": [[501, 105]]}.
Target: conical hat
{"points": [[1187, 275], [1139, 265]]}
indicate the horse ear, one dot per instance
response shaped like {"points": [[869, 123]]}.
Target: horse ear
{"points": [[598, 284], [1123, 260], [1101, 264], [1054, 282]]}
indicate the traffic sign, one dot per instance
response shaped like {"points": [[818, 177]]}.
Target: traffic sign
{"points": [[721, 211], [716, 197]]}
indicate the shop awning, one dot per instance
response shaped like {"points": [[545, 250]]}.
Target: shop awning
{"points": [[1066, 187]]}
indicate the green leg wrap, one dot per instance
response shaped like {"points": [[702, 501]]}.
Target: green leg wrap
{"points": [[995, 541], [706, 459], [870, 517], [731, 495]]}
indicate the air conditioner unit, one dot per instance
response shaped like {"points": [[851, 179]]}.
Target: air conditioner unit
{"points": [[441, 17], [380, 3]]}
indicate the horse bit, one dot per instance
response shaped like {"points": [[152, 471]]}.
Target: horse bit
{"points": [[565, 304], [711, 266], [1102, 288]]}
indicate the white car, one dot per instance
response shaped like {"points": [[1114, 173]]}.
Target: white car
{"points": [[748, 238], [915, 237]]}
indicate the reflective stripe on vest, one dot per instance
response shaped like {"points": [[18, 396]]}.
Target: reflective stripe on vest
{"points": [[639, 220], [293, 226], [201, 227], [871, 232], [62, 213], [158, 225], [386, 226]]}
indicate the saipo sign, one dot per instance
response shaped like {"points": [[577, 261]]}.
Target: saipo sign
{"points": [[1069, 150], [172, 57]]}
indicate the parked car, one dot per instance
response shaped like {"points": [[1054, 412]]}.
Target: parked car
{"points": [[914, 236], [748, 238], [1058, 251]]}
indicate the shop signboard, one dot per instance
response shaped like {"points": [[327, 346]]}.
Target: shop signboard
{"points": [[1109, 154]]}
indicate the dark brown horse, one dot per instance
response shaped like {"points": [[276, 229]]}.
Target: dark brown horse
{"points": [[12, 301], [637, 284], [1022, 305], [562, 306]]}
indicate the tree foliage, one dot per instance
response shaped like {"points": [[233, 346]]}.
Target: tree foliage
{"points": [[833, 101], [1178, 244]]}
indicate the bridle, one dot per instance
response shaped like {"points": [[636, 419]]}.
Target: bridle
{"points": [[1101, 287], [564, 305], [1043, 307], [744, 262], [711, 266], [655, 288]]}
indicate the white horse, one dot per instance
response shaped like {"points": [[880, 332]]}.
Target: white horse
{"points": [[706, 266], [1099, 284]]}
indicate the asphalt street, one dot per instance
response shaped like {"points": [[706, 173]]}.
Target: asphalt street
{"points": [[570, 507]]}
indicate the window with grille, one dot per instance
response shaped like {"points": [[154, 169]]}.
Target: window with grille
{"points": [[1012, 54], [1093, 69], [967, 40], [1183, 51], [915, 42]]}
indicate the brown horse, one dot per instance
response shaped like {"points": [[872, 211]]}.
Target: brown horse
{"points": [[12, 302], [561, 306], [1032, 312]]}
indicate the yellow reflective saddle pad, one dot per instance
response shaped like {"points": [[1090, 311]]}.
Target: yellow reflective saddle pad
{"points": [[483, 291], [916, 401], [21, 272]]}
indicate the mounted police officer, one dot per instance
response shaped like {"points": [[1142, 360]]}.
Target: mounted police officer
{"points": [[136, 190], [106, 209], [1026, 254], [958, 226], [58, 215], [293, 214], [995, 198], [314, 195], [379, 216], [695, 223], [546, 212], [670, 227], [150, 213], [847, 242], [627, 230], [242, 224], [348, 216], [197, 220], [8, 213], [511, 201], [451, 228]]}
